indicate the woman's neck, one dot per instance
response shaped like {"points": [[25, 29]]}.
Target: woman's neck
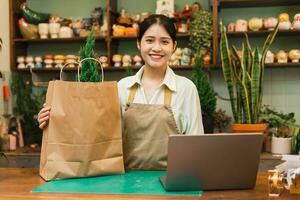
{"points": [[154, 74]]}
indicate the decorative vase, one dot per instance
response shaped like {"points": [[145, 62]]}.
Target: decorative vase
{"points": [[281, 145]]}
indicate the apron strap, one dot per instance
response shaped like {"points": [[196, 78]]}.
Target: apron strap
{"points": [[132, 93], [167, 96]]}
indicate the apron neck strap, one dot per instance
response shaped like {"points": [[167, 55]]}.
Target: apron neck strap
{"points": [[132, 93], [167, 96]]}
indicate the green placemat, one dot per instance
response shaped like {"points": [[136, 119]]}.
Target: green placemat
{"points": [[133, 182]]}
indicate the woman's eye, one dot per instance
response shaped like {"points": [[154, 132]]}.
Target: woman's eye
{"points": [[165, 42], [149, 40]]}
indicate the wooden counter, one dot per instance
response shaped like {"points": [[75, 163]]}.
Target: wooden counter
{"points": [[16, 183]]}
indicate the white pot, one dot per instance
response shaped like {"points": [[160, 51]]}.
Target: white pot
{"points": [[43, 30], [281, 145]]}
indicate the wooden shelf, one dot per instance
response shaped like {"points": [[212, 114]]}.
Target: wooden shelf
{"points": [[110, 68], [54, 40], [261, 33], [282, 65], [272, 65], [256, 3]]}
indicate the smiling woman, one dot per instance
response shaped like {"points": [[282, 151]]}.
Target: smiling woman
{"points": [[156, 102]]}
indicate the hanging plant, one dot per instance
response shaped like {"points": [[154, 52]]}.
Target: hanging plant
{"points": [[201, 30]]}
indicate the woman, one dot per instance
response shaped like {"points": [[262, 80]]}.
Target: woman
{"points": [[155, 102]]}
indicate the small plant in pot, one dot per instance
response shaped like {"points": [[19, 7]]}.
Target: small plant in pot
{"points": [[244, 79], [283, 131]]}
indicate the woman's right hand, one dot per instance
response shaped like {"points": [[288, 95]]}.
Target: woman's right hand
{"points": [[43, 117]]}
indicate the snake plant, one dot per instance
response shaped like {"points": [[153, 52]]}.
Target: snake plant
{"points": [[244, 77]]}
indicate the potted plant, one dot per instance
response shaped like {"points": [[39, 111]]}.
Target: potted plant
{"points": [[221, 120], [201, 31], [206, 94], [244, 78], [283, 131]]}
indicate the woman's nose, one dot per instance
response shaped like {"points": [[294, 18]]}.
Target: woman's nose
{"points": [[157, 46]]}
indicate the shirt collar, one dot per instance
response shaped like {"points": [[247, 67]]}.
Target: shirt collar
{"points": [[169, 79]]}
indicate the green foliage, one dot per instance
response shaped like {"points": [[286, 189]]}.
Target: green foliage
{"points": [[244, 77], [277, 119], [206, 93], [201, 30], [89, 72], [282, 125], [27, 105]]}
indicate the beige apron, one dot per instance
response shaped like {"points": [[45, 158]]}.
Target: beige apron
{"points": [[146, 131]]}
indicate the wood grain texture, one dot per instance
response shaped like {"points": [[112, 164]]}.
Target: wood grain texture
{"points": [[16, 183]]}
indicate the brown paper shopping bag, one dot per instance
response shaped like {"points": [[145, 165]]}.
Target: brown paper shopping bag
{"points": [[83, 137]]}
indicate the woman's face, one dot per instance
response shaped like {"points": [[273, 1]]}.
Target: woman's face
{"points": [[156, 46]]}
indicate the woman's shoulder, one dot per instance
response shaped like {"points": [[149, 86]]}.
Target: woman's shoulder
{"points": [[184, 84]]}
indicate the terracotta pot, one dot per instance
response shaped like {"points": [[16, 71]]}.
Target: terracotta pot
{"points": [[249, 128]]}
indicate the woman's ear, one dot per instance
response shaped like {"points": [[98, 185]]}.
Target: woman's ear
{"points": [[138, 44], [175, 46]]}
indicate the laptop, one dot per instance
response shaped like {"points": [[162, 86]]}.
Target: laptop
{"points": [[212, 161]]}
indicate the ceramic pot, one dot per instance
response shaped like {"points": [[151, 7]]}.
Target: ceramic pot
{"points": [[231, 27], [38, 62], [241, 25], [20, 61], [284, 21], [270, 23], [65, 32], [54, 29], [255, 24], [281, 145], [269, 57], [249, 128], [294, 55], [282, 57], [29, 62], [43, 30], [296, 22]]}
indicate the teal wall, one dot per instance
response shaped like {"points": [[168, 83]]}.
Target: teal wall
{"points": [[281, 86]]}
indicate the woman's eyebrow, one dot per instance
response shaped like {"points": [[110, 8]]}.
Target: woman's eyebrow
{"points": [[162, 38]]}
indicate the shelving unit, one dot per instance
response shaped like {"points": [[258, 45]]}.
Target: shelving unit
{"points": [[217, 5], [19, 45]]}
